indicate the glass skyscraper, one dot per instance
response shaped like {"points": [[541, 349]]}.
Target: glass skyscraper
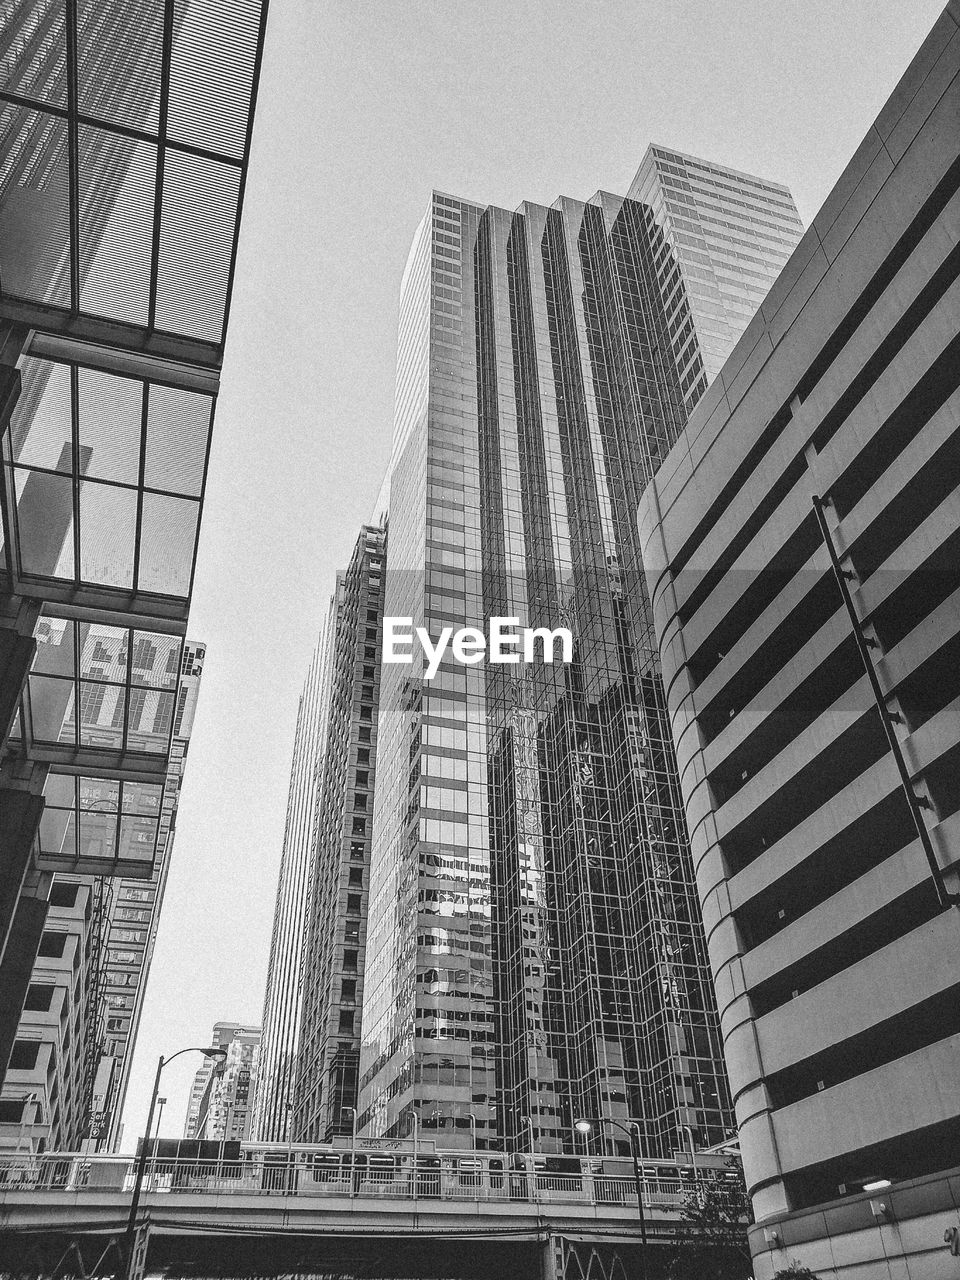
{"points": [[325, 1094], [534, 950], [273, 1101], [721, 238]]}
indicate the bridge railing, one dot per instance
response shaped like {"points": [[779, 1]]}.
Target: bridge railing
{"points": [[404, 1179]]}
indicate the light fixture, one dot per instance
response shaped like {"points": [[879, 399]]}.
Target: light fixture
{"points": [[583, 1126], [879, 1184]]}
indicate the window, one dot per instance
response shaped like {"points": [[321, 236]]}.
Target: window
{"points": [[11, 1110], [63, 895], [363, 778], [24, 1055], [348, 989], [346, 1021], [363, 755], [353, 903], [364, 734], [39, 997], [350, 961], [356, 849], [52, 945], [356, 876], [359, 800], [359, 826]]}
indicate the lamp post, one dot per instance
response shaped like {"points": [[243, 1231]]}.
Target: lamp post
{"points": [[416, 1155], [633, 1133], [354, 1181], [473, 1129], [130, 1234]]}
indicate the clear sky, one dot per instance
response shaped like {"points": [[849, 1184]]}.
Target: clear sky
{"points": [[365, 106]]}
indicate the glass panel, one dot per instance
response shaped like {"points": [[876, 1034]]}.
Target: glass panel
{"points": [[156, 660], [60, 790], [138, 838], [51, 707], [151, 714], [211, 73], [142, 798], [101, 714], [104, 652], [98, 834], [58, 832], [100, 794], [108, 521], [167, 541], [45, 523], [117, 183], [34, 206], [127, 92], [55, 654], [40, 426], [196, 245], [42, 30], [110, 411], [178, 427]]}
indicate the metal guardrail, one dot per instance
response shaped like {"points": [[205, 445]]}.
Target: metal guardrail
{"points": [[440, 1179]]}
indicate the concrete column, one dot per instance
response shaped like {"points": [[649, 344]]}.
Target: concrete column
{"points": [[551, 1258]]}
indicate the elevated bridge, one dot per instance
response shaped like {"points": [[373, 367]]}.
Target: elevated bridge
{"points": [[282, 1211]]}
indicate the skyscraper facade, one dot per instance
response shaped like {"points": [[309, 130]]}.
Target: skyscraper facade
{"points": [[534, 946], [220, 1107], [273, 1101], [45, 1103], [803, 544], [720, 239], [133, 919], [325, 1095]]}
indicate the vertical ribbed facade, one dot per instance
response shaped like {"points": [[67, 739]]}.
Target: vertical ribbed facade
{"points": [[281, 1009], [534, 949], [819, 736], [325, 1095]]}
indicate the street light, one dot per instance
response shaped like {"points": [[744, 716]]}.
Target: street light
{"points": [[130, 1234], [633, 1133]]}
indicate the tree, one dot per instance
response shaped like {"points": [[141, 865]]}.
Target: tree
{"points": [[795, 1271], [716, 1213]]}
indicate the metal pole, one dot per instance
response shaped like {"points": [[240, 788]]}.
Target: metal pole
{"points": [[161, 1102], [130, 1234], [944, 897], [638, 1181]]}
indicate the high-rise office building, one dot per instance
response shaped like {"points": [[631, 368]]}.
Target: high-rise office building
{"points": [[803, 544], [121, 914], [221, 1097], [725, 238], [134, 916], [273, 1102], [126, 134], [534, 947], [325, 1096], [46, 1098]]}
